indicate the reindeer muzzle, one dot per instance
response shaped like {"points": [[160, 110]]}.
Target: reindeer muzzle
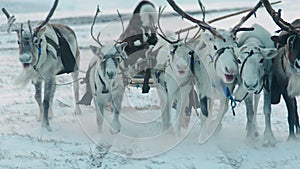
{"points": [[26, 59]]}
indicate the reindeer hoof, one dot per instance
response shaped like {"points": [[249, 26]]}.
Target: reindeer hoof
{"points": [[292, 138], [115, 128], [113, 131], [185, 121], [77, 110], [46, 126], [269, 144]]}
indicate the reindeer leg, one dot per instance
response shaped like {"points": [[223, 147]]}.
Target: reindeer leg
{"points": [[292, 111], [297, 122], [75, 76], [38, 98], [50, 112], [166, 114], [48, 95], [117, 103], [269, 139], [181, 106], [99, 113], [251, 125]]}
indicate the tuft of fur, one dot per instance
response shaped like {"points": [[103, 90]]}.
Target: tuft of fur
{"points": [[24, 77], [294, 81]]}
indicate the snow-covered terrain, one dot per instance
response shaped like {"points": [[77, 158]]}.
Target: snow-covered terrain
{"points": [[74, 141]]}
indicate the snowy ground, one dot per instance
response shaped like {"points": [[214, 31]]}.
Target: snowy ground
{"points": [[75, 143]]}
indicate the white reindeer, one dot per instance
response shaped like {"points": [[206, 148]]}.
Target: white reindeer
{"points": [[175, 82], [256, 51], [215, 83], [46, 51], [105, 82]]}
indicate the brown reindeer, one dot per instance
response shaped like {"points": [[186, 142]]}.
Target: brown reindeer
{"points": [[285, 78]]}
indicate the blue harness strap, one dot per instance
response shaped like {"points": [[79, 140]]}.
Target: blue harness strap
{"points": [[229, 96], [39, 49]]}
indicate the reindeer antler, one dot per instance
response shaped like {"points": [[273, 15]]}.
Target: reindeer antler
{"points": [[163, 35], [92, 28], [11, 22], [238, 28], [47, 18], [220, 18], [200, 23], [278, 20]]}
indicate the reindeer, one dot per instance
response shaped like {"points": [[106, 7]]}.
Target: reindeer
{"points": [[285, 76], [46, 51], [140, 36], [175, 81], [256, 52], [106, 82], [104, 79]]}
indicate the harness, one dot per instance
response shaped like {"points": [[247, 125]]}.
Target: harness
{"points": [[104, 90], [218, 54], [263, 78], [62, 50]]}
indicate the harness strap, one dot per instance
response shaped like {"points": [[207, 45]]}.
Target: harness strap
{"points": [[54, 45], [39, 54], [229, 96], [104, 90]]}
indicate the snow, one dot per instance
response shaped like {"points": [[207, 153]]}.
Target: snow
{"points": [[74, 141]]}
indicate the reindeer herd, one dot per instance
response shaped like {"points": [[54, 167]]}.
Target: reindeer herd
{"points": [[213, 65]]}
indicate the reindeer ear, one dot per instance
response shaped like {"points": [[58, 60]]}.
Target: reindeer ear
{"points": [[42, 30], [269, 53], [96, 51], [281, 39], [121, 47]]}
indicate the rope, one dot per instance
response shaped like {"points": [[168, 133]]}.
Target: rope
{"points": [[60, 84]]}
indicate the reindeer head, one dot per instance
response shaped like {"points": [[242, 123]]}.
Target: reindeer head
{"points": [[289, 38], [181, 58], [291, 42], [110, 61], [225, 57], [29, 39], [252, 67]]}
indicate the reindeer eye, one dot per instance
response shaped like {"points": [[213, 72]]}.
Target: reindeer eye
{"points": [[118, 59], [36, 40], [238, 61], [215, 47], [18, 42], [291, 40]]}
